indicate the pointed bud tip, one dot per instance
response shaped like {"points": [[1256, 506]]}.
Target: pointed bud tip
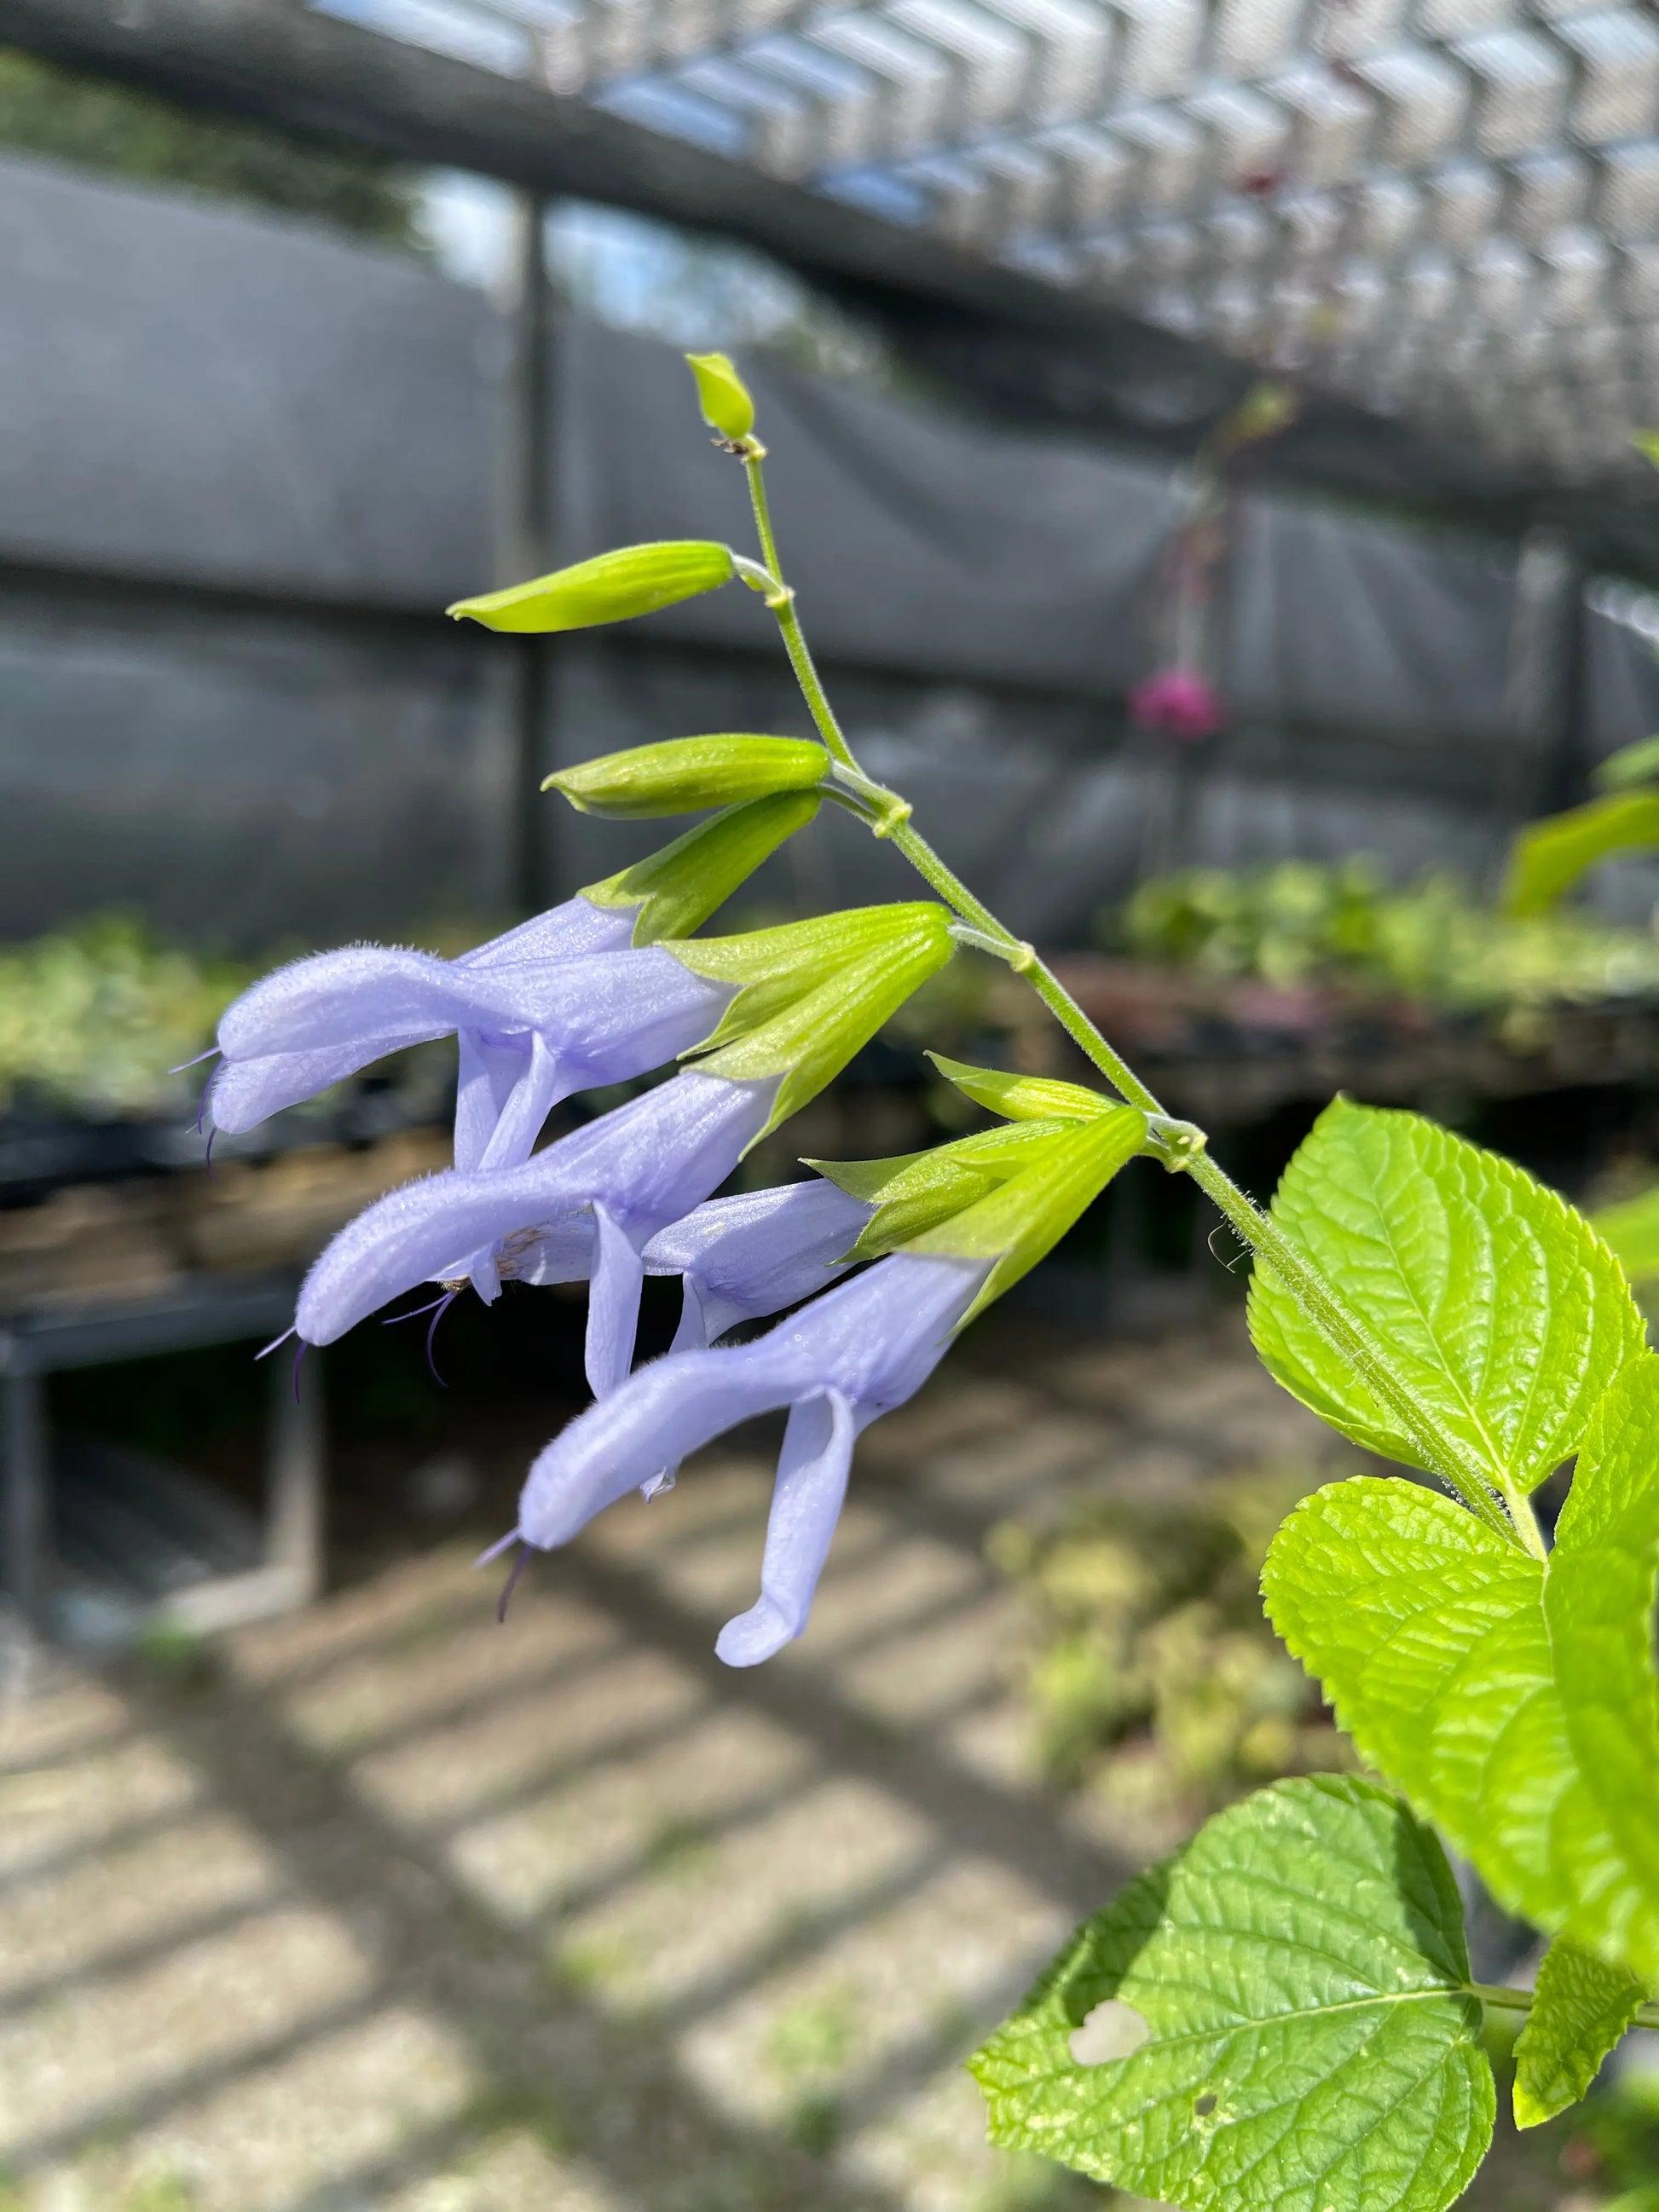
{"points": [[722, 394]]}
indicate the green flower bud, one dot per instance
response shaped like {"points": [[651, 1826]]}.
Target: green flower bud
{"points": [[1008, 1195], [635, 580], [686, 774], [1020, 1222], [812, 992], [723, 395], [679, 888], [918, 1191], [1022, 1097]]}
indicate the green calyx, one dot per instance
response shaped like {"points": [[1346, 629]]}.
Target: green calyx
{"points": [[811, 993], [722, 395], [1007, 1195], [679, 888], [635, 580], [1022, 1097], [916, 1191], [684, 774]]}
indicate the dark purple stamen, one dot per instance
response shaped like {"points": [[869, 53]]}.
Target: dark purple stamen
{"points": [[505, 1598], [300, 1352], [207, 1158]]}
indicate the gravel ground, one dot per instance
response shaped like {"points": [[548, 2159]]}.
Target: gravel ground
{"points": [[386, 1906]]}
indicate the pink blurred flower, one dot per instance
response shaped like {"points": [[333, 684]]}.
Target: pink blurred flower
{"points": [[1178, 701]]}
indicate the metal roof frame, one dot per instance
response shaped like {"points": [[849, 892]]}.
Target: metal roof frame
{"points": [[1442, 215]]}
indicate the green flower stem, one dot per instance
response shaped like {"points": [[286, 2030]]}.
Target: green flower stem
{"points": [[1317, 1297], [1341, 1326], [1504, 2000]]}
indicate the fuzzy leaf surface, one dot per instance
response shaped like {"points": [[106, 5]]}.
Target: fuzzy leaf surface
{"points": [[1312, 2047], [1504, 1312], [1517, 1708], [1580, 2009]]}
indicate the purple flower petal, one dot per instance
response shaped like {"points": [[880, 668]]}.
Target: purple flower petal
{"points": [[811, 1486], [865, 1346], [576, 927], [755, 1254], [647, 1162], [613, 1305]]}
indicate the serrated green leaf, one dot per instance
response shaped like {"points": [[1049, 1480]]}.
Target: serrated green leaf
{"points": [[1503, 1312], [679, 888], [635, 580], [811, 993], [1022, 1097], [1548, 857], [683, 774], [1517, 1707], [722, 395], [1312, 2046], [1631, 1232], [1580, 2009], [1637, 763]]}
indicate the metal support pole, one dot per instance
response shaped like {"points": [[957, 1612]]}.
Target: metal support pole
{"points": [[24, 1507], [1544, 691], [523, 535], [294, 1477]]}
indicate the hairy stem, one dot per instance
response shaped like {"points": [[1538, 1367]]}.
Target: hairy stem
{"points": [[1506, 2000], [1318, 1299]]}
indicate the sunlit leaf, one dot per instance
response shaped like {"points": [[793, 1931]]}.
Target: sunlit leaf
{"points": [[1517, 1708], [1580, 2009], [1503, 1311], [1299, 1973]]}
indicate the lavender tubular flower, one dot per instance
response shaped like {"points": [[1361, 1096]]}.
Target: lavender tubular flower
{"points": [[744, 1257], [955, 1227], [741, 1258], [531, 1031], [528, 1034], [318, 1020], [853, 1354], [590, 1202]]}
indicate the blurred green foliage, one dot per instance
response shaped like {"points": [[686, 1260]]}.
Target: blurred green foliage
{"points": [[1151, 1677], [92, 1018], [123, 132], [1304, 922]]}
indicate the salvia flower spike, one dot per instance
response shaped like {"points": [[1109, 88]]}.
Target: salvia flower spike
{"points": [[798, 1001]]}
